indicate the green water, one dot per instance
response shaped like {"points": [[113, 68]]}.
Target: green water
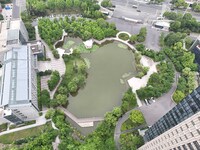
{"points": [[110, 67]]}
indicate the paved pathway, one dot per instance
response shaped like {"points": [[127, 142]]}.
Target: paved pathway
{"points": [[125, 33], [57, 64], [53, 92], [150, 112]]}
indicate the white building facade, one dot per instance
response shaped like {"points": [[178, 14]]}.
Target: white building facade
{"points": [[18, 96]]}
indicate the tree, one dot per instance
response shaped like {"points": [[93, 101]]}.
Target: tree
{"points": [[69, 3], [51, 4], [178, 96], [133, 38], [72, 86], [137, 117], [175, 26], [106, 3], [61, 99], [45, 98], [60, 4], [77, 3]]}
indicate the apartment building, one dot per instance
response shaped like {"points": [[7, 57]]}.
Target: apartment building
{"points": [[179, 129]]}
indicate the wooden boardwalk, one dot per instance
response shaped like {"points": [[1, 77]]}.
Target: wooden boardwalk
{"points": [[83, 122]]}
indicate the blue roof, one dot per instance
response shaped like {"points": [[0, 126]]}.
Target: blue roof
{"points": [[15, 80]]}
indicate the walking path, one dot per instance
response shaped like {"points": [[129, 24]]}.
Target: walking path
{"points": [[57, 64], [137, 83], [150, 112], [53, 92], [82, 122]]}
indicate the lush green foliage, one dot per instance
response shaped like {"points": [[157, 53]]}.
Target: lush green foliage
{"points": [[186, 84], [27, 22], [88, 8], [180, 57], [131, 141], [3, 127], [137, 117], [45, 98], [39, 92], [53, 81], [158, 83], [156, 56], [142, 35], [45, 73], [29, 135], [179, 3], [196, 7], [106, 3], [173, 38], [83, 28], [124, 36], [129, 101], [140, 68], [133, 39], [182, 23]]}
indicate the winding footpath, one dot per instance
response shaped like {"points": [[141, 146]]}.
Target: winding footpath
{"points": [[150, 112]]}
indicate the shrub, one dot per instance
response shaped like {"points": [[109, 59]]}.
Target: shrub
{"points": [[55, 78]]}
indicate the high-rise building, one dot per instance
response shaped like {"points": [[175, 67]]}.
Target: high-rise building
{"points": [[179, 129], [18, 96]]}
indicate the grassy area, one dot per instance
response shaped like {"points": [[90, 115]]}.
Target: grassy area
{"points": [[11, 137], [81, 48], [68, 44], [124, 36], [3, 127]]}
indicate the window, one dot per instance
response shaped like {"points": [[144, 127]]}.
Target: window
{"points": [[184, 147], [186, 136], [180, 138], [198, 131], [181, 128], [193, 123], [196, 144], [190, 146], [192, 134], [186, 125], [179, 148]]}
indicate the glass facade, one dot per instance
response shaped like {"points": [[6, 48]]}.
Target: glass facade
{"points": [[189, 106]]}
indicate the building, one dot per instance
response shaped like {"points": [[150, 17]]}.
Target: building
{"points": [[12, 32], [179, 129], [18, 96], [195, 48], [37, 48]]}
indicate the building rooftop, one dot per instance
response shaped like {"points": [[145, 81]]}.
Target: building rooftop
{"points": [[15, 79], [36, 47], [5, 26]]}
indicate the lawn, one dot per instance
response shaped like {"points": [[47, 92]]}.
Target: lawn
{"points": [[124, 36], [3, 127], [11, 137]]}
